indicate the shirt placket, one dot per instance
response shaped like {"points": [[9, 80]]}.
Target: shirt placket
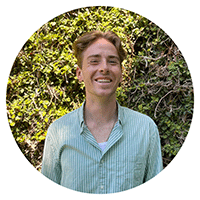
{"points": [[102, 176], [116, 134]]}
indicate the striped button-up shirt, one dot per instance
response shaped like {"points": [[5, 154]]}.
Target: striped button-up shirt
{"points": [[73, 158]]}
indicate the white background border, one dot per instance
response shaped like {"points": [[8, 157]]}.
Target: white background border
{"points": [[179, 19]]}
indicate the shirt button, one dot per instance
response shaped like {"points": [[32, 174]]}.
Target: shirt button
{"points": [[102, 187]]}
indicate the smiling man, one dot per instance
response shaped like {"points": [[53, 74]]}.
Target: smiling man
{"points": [[101, 147]]}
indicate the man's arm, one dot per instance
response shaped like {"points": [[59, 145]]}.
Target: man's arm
{"points": [[50, 163], [154, 163]]}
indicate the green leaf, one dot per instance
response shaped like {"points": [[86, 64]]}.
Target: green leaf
{"points": [[140, 107], [46, 120]]}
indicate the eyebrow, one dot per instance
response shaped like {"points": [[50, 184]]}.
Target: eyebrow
{"points": [[98, 56], [94, 55]]}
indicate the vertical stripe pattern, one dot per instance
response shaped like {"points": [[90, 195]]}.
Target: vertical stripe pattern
{"points": [[73, 158]]}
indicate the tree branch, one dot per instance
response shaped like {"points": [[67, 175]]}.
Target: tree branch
{"points": [[160, 101]]}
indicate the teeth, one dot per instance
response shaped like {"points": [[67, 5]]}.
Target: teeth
{"points": [[103, 81]]}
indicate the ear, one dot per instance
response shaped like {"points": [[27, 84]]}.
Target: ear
{"points": [[79, 74]]}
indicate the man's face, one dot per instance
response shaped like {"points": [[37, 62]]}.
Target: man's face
{"points": [[101, 69]]}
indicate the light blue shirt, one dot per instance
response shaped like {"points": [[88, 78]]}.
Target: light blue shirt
{"points": [[73, 158]]}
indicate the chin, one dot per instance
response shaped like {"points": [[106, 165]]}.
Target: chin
{"points": [[105, 94]]}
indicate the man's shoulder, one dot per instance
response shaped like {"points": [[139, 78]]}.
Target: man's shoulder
{"points": [[69, 118], [130, 115]]}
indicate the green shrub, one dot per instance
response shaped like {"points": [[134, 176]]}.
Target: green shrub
{"points": [[42, 85]]}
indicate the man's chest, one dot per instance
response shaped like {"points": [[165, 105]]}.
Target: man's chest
{"points": [[121, 166]]}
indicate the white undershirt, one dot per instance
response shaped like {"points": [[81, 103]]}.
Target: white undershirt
{"points": [[102, 145]]}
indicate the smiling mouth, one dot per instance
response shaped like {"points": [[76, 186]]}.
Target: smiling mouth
{"points": [[103, 80]]}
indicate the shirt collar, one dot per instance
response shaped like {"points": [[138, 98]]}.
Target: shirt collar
{"points": [[120, 113], [81, 114]]}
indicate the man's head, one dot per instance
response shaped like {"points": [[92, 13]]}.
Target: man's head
{"points": [[99, 58], [82, 43]]}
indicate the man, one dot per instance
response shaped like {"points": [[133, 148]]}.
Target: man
{"points": [[101, 147]]}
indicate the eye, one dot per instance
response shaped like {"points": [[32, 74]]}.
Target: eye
{"points": [[94, 62], [113, 62]]}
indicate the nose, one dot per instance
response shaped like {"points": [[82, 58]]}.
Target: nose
{"points": [[104, 67]]}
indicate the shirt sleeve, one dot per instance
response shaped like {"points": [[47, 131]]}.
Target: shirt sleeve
{"points": [[154, 162], [51, 167]]}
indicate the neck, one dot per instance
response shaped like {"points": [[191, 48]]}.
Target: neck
{"points": [[100, 111]]}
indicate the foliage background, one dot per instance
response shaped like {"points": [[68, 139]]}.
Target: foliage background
{"points": [[42, 85]]}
